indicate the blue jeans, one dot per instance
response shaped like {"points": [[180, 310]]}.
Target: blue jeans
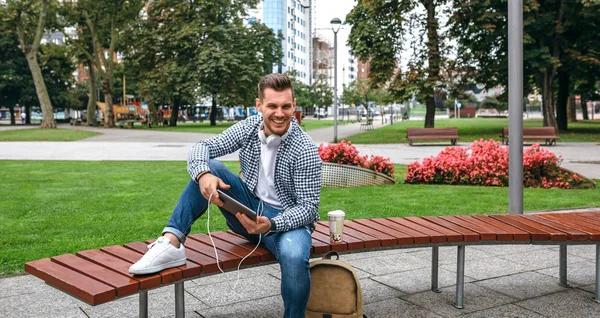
{"points": [[291, 248]]}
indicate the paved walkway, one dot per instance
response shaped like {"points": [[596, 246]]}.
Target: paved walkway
{"points": [[501, 280]]}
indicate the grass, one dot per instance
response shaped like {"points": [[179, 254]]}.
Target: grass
{"points": [[55, 207], [37, 134], [475, 129]]}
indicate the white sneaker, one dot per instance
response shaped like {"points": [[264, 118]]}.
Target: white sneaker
{"points": [[161, 255]]}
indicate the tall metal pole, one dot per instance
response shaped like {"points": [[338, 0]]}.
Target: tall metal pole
{"points": [[335, 97], [515, 106]]}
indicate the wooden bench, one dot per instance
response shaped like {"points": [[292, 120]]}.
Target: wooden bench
{"points": [[413, 134], [367, 124], [100, 276], [534, 133], [126, 123]]}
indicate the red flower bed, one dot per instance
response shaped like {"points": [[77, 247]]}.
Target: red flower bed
{"points": [[346, 153], [486, 163]]}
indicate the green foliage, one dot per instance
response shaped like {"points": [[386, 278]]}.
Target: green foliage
{"points": [[322, 93], [492, 102], [58, 208], [45, 135]]}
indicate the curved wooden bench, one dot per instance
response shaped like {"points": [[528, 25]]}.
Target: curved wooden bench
{"points": [[413, 134], [100, 276], [534, 133]]}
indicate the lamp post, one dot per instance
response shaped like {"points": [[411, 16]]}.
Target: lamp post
{"points": [[335, 26]]}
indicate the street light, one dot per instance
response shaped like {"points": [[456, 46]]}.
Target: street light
{"points": [[335, 26]]}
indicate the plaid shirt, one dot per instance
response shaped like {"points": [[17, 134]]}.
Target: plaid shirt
{"points": [[297, 168]]}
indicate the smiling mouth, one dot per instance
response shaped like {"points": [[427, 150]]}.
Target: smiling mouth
{"points": [[278, 121]]}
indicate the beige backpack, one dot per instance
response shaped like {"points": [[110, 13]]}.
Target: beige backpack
{"points": [[334, 289]]}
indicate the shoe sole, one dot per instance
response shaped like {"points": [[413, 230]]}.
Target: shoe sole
{"points": [[155, 269]]}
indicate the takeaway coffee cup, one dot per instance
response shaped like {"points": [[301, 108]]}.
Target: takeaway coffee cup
{"points": [[336, 225]]}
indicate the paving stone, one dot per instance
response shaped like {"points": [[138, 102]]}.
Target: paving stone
{"points": [[46, 301], [568, 303], [419, 280], [475, 299], [373, 291], [266, 307], [522, 285], [504, 311], [578, 274], [221, 294], [538, 259], [503, 249], [161, 303], [448, 254], [584, 251], [394, 308], [376, 253], [389, 263], [487, 268], [591, 288], [19, 285]]}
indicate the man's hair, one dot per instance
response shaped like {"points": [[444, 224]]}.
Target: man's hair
{"points": [[275, 81]]}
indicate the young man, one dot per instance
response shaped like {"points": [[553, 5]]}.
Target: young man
{"points": [[282, 178]]}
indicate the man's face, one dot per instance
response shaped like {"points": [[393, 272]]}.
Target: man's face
{"points": [[277, 109]]}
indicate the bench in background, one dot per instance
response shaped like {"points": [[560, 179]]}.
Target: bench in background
{"points": [[367, 124], [100, 276], [534, 133], [413, 134]]}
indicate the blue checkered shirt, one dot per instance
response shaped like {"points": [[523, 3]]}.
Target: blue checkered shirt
{"points": [[297, 168]]}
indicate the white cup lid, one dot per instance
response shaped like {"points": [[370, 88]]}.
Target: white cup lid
{"points": [[336, 213]]}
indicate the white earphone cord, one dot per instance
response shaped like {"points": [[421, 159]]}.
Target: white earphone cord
{"points": [[258, 213]]}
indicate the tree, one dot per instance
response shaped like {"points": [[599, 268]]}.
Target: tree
{"points": [[322, 93], [30, 19], [379, 28], [14, 71]]}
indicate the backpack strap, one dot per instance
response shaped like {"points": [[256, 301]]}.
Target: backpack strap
{"points": [[331, 253]]}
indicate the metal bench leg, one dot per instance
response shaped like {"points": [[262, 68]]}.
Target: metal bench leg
{"points": [[434, 269], [460, 277], [179, 300], [562, 269], [597, 296], [144, 304]]}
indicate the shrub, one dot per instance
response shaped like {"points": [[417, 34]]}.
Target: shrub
{"points": [[346, 153], [486, 163]]}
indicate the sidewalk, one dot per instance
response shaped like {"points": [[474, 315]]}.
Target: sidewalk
{"points": [[501, 280]]}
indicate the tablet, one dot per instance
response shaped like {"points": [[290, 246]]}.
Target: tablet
{"points": [[232, 205]]}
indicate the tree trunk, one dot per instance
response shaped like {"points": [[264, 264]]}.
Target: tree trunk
{"points": [[41, 91], [109, 115], [11, 110], [584, 110], [213, 111], [549, 119], [562, 100], [174, 112], [27, 114], [433, 47], [153, 118], [91, 106], [571, 109]]}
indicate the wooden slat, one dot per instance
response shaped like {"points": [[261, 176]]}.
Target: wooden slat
{"points": [[501, 234], [167, 276], [351, 242], [120, 266], [385, 239], [576, 224], [265, 254], [252, 259], [468, 235], [418, 237], [335, 246], [572, 234], [227, 260], [320, 247], [190, 269], [434, 236], [539, 232], [517, 234], [451, 236], [124, 285], [369, 241], [401, 237], [73, 283], [592, 222]]}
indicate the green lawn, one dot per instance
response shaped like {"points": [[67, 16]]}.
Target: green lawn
{"points": [[55, 207], [474, 129], [37, 134]]}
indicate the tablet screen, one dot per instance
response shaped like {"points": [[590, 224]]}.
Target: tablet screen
{"points": [[234, 206]]}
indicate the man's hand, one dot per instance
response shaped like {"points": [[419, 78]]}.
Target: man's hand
{"points": [[262, 224], [208, 185]]}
